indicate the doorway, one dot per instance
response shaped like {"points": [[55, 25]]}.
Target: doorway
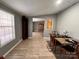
{"points": [[38, 28]]}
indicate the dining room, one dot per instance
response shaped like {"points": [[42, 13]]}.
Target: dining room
{"points": [[59, 27]]}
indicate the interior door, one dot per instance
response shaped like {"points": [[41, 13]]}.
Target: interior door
{"points": [[24, 27]]}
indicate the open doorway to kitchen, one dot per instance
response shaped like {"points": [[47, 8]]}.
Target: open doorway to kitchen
{"points": [[38, 27]]}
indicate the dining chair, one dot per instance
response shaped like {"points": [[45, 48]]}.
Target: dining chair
{"points": [[52, 41], [55, 46], [74, 54]]}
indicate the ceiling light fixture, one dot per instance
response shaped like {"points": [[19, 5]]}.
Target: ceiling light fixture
{"points": [[59, 2]]}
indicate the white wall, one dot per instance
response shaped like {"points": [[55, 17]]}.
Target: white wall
{"points": [[37, 19], [69, 21], [30, 25]]}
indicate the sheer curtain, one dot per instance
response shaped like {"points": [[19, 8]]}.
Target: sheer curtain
{"points": [[7, 29]]}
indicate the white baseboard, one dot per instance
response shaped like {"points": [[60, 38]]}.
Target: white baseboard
{"points": [[12, 48]]}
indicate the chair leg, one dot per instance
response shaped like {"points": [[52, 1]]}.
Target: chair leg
{"points": [[77, 55], [62, 52], [1, 57]]}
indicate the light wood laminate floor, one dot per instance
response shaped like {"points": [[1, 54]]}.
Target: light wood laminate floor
{"points": [[34, 48]]}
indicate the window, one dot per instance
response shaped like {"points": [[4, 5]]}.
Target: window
{"points": [[7, 29]]}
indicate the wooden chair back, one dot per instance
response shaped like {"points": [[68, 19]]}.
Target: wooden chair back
{"points": [[77, 50]]}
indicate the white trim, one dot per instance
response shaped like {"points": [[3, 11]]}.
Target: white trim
{"points": [[12, 48]]}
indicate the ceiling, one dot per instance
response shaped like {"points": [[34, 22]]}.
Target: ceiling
{"points": [[38, 7]]}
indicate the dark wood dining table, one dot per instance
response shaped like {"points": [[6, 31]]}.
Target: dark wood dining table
{"points": [[67, 45], [62, 41]]}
